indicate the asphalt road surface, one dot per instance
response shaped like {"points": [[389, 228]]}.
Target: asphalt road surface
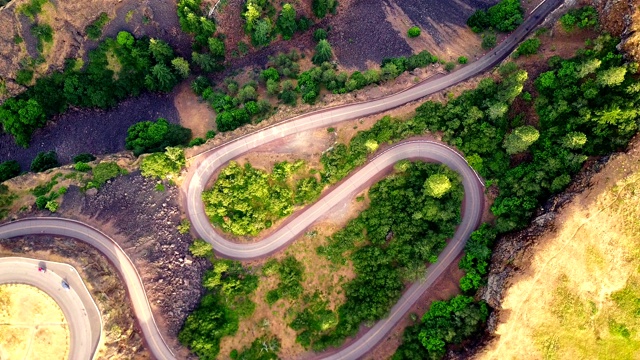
{"points": [[80, 312], [208, 162]]}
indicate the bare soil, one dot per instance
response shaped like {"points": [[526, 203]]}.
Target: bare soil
{"points": [[193, 113], [32, 325]]}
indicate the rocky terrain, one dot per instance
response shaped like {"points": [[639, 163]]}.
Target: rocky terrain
{"points": [[622, 18], [143, 220]]}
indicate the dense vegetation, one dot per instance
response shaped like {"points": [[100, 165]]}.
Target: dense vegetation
{"points": [[587, 105], [237, 105], [404, 227], [149, 136], [584, 18], [245, 200], [166, 165], [228, 288], [290, 272], [262, 348], [208, 50], [505, 16], [115, 70]]}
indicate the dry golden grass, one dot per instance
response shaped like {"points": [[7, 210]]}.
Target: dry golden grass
{"points": [[32, 325], [580, 295]]}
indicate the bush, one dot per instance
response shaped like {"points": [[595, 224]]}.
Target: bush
{"points": [[184, 227], [462, 60], [149, 136], [82, 166], [9, 169], [94, 30], [413, 32], [528, 47], [449, 66], [24, 76], [103, 172], [210, 134], [320, 34], [322, 7], [323, 52], [505, 16], [165, 165], [83, 157], [44, 161], [201, 248], [489, 41], [196, 142]]}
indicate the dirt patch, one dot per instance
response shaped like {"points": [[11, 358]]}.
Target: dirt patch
{"points": [[364, 32], [194, 114], [32, 325]]}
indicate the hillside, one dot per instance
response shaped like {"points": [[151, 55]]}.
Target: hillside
{"points": [[574, 293]]}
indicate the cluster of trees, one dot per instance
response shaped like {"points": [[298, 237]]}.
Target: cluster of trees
{"points": [[262, 23], [208, 50], [311, 322], [149, 136], [94, 30], [587, 105], [504, 16], [143, 64], [9, 169], [245, 200], [32, 8], [229, 287], [446, 322], [235, 105], [290, 271], [584, 18], [528, 47], [404, 227]]}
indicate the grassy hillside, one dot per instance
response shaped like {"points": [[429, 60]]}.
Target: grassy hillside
{"points": [[579, 297]]}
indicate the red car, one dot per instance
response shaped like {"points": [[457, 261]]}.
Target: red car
{"points": [[41, 269]]}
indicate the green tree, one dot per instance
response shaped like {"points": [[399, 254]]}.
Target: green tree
{"points": [[44, 161], [323, 52], [125, 39], [287, 21], [201, 248], [216, 47], [206, 62], [437, 185], [489, 41], [322, 7], [574, 140], [611, 77], [160, 50], [21, 118], [181, 66], [413, 32], [161, 78], [149, 136], [9, 169], [520, 139], [320, 34], [261, 35], [528, 47]]}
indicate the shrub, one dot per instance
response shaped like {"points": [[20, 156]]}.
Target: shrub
{"points": [[504, 16], [196, 142], [83, 157], [585, 17], [184, 227], [149, 136], [210, 134], [82, 166], [413, 32], [489, 41], [201, 248], [165, 165], [528, 47], [449, 66], [323, 52], [103, 172], [9, 169], [44, 161], [322, 7], [462, 60], [94, 30], [320, 34], [24, 76]]}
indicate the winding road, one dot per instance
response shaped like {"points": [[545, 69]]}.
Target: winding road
{"points": [[207, 163]]}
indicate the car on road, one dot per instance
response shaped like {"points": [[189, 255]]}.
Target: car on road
{"points": [[65, 285], [42, 269]]}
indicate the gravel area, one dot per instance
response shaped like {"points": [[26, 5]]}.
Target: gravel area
{"points": [[93, 131], [144, 222]]}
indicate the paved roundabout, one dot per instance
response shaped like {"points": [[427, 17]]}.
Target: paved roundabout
{"points": [[207, 163]]}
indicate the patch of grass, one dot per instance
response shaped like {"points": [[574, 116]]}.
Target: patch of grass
{"points": [[129, 16], [94, 30], [104, 172]]}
